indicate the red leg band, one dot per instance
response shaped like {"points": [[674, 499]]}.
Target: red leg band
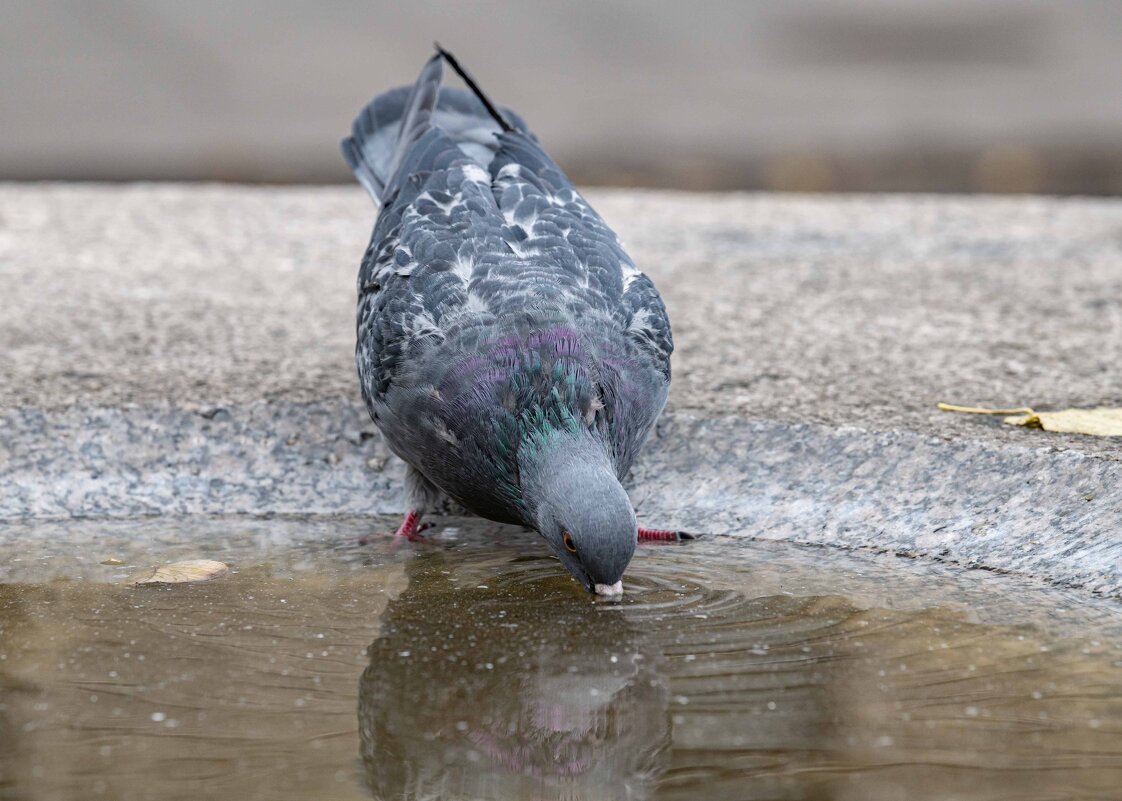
{"points": [[409, 528], [657, 535]]}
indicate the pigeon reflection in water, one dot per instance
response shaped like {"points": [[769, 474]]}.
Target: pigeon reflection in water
{"points": [[514, 690]]}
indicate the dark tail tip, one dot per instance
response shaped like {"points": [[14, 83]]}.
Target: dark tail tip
{"points": [[474, 87]]}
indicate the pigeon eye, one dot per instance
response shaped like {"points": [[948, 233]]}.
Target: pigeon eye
{"points": [[570, 546]]}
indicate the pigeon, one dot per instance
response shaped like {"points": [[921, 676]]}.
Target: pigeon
{"points": [[509, 350]]}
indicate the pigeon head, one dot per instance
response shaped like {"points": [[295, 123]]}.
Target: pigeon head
{"points": [[581, 509]]}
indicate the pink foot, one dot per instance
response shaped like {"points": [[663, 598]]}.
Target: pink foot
{"points": [[661, 535], [410, 529]]}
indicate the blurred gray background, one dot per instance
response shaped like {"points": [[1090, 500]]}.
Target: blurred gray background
{"points": [[930, 95]]}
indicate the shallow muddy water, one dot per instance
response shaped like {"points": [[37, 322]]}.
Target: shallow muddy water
{"points": [[470, 668]]}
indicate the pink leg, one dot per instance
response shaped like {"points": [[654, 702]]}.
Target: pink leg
{"points": [[410, 529], [658, 535]]}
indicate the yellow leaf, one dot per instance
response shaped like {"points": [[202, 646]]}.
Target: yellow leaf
{"points": [[111, 561], [180, 572], [947, 407], [1098, 422], [1101, 422]]}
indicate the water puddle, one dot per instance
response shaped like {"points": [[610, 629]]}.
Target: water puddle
{"points": [[470, 670]]}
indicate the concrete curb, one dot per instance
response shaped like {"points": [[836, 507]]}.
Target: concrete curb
{"points": [[1037, 512]]}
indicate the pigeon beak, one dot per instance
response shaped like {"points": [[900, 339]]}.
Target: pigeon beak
{"points": [[609, 590]]}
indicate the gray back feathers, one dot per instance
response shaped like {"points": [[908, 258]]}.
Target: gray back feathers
{"points": [[493, 301]]}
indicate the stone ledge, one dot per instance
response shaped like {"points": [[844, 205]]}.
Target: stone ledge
{"points": [[1036, 512]]}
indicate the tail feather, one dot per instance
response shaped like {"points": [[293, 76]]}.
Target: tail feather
{"points": [[384, 131], [418, 111], [389, 127], [474, 87], [371, 144]]}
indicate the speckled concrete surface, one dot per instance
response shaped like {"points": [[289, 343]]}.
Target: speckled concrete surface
{"points": [[839, 310], [189, 349], [1033, 511]]}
